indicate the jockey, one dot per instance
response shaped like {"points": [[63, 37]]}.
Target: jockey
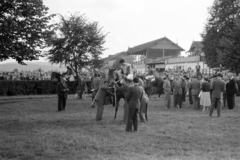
{"points": [[150, 71], [150, 74], [126, 69]]}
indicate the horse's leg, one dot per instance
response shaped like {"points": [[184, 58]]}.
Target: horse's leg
{"points": [[146, 112], [125, 112], [116, 109]]}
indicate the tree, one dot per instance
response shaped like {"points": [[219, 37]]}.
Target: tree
{"points": [[76, 43], [96, 63], [23, 29], [230, 54], [223, 15]]}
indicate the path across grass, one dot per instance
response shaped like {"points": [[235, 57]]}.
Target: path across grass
{"points": [[32, 129]]}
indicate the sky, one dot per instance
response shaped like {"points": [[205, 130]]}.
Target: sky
{"points": [[133, 22]]}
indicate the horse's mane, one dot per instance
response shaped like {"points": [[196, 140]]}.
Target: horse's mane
{"points": [[56, 75], [111, 76]]}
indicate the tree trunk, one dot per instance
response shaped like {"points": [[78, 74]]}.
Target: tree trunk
{"points": [[79, 82]]}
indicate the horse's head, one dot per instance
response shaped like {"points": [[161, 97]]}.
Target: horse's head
{"points": [[55, 75], [111, 74], [114, 75]]}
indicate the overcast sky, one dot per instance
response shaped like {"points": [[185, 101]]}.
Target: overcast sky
{"points": [[133, 22]]}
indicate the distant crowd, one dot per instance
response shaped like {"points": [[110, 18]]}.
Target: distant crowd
{"points": [[36, 76], [27, 75]]}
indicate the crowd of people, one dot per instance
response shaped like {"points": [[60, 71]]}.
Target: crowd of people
{"points": [[37, 75], [27, 75], [204, 91]]}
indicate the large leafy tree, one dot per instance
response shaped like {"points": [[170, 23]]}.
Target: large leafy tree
{"points": [[76, 43], [23, 29], [221, 22], [96, 63], [230, 54]]}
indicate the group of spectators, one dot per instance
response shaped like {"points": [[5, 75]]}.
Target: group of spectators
{"points": [[27, 75], [206, 91]]}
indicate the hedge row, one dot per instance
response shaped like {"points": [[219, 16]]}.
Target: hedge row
{"points": [[9, 88]]}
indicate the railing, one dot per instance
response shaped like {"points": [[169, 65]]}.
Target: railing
{"points": [[183, 59]]}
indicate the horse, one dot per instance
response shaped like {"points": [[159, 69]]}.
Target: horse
{"points": [[115, 76], [151, 86], [79, 82], [55, 76]]}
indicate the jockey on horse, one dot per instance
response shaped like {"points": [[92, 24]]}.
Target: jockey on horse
{"points": [[127, 71], [150, 76]]}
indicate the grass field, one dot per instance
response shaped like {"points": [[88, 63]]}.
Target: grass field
{"points": [[34, 130]]}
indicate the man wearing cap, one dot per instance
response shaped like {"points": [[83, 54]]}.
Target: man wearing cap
{"points": [[134, 100], [218, 87], [62, 90], [126, 68]]}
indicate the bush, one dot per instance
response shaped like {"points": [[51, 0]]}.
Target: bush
{"points": [[9, 88]]}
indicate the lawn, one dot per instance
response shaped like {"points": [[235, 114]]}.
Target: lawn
{"points": [[33, 130]]}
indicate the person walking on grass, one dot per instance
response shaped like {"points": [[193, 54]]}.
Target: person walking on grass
{"points": [[218, 87], [62, 90], [134, 100]]}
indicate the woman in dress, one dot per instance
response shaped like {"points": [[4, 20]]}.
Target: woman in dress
{"points": [[205, 100]]}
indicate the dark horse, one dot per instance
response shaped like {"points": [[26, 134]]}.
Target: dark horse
{"points": [[55, 76], [115, 76], [152, 87], [79, 82]]}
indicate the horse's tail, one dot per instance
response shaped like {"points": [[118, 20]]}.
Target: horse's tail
{"points": [[116, 110]]}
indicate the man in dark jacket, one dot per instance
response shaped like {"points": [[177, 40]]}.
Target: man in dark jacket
{"points": [[177, 86], [195, 87], [62, 90], [95, 85], [231, 90], [134, 100], [218, 87], [125, 89]]}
